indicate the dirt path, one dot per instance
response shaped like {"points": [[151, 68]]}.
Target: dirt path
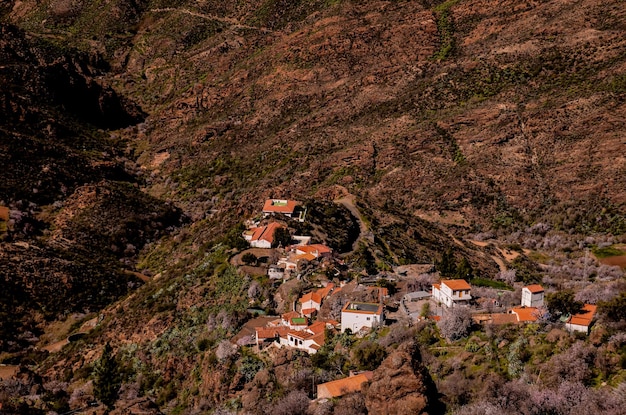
{"points": [[348, 202], [230, 21]]}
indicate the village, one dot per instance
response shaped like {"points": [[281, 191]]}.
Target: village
{"points": [[358, 305]]}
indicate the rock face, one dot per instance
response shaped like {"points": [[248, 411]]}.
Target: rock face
{"points": [[402, 385]]}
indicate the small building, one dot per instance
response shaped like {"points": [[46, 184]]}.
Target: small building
{"points": [[316, 250], [452, 293], [416, 296], [337, 388], [532, 296], [582, 321], [312, 302], [526, 314], [355, 316], [282, 206], [261, 237], [275, 272], [303, 340]]}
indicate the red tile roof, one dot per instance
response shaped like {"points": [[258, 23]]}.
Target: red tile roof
{"points": [[265, 233], [309, 311], [317, 327], [525, 313], [279, 206], [271, 332], [312, 296], [456, 285], [289, 315], [315, 249], [585, 317], [534, 288]]}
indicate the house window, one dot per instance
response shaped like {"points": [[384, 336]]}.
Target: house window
{"points": [[301, 342], [368, 319]]}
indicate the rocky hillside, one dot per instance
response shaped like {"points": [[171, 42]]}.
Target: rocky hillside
{"points": [[74, 209]]}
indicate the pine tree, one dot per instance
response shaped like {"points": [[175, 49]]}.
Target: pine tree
{"points": [[106, 378]]}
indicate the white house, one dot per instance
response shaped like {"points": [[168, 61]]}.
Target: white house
{"points": [[532, 296], [452, 293], [262, 237], [355, 316], [303, 340], [582, 321], [312, 302], [285, 207]]}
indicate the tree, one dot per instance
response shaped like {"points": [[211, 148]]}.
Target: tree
{"points": [[447, 265], [106, 378], [464, 270], [615, 309], [455, 323], [248, 258], [282, 237], [563, 302]]}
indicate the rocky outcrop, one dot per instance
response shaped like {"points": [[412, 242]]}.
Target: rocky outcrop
{"points": [[402, 385]]}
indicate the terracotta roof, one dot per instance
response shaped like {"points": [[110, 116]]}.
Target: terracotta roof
{"points": [[315, 249], [437, 286], [585, 317], [308, 257], [317, 327], [312, 296], [319, 338], [271, 332], [323, 292], [300, 334], [289, 315], [534, 288], [308, 311], [266, 233], [344, 386], [525, 313], [279, 206], [455, 285]]}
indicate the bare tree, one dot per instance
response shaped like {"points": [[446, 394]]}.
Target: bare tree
{"points": [[455, 323]]}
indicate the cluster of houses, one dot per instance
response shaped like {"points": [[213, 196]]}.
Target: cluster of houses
{"points": [[454, 293], [302, 329]]}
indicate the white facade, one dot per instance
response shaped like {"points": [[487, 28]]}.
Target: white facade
{"points": [[452, 293], [532, 296], [355, 316]]}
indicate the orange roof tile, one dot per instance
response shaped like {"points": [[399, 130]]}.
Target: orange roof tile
{"points": [[279, 206], [317, 327], [437, 286], [308, 311], [308, 257], [525, 313], [312, 296], [344, 386], [534, 288], [315, 249], [323, 292], [300, 334], [270, 332], [289, 315], [319, 338], [456, 285], [585, 317]]}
